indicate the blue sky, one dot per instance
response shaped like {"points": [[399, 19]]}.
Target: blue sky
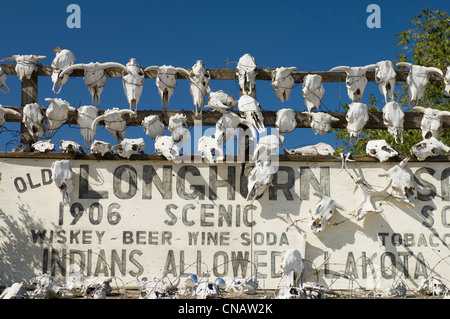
{"points": [[310, 35]]}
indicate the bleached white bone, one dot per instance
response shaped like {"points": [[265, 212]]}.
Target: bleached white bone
{"points": [[199, 87], [207, 290], [227, 126], [3, 82], [402, 181], [166, 81], [385, 77], [25, 64], [129, 146], [357, 117], [167, 147], [94, 76], [321, 122], [286, 122], [316, 149], [221, 101], [431, 121], [57, 114], [68, 146], [446, 82], [96, 287], [86, 115], [210, 149], [243, 286], [417, 80], [15, 291], [380, 149], [250, 109], [369, 194], [153, 126], [260, 178], [393, 117], [42, 146], [63, 59], [114, 121], [5, 111], [100, 147], [312, 91], [62, 176], [34, 120], [429, 147], [157, 288], [177, 127], [246, 72], [267, 148], [282, 82], [324, 211], [356, 80]]}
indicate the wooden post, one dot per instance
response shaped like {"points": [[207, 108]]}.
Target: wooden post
{"points": [[29, 95]]}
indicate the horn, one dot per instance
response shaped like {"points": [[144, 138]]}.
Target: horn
{"points": [[95, 122], [418, 108], [12, 112], [370, 66], [7, 87], [341, 68], [71, 68], [320, 195], [432, 69], [39, 57], [13, 58], [114, 65], [183, 70], [153, 67], [407, 64]]}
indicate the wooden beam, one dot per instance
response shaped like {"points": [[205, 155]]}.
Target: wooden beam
{"points": [[29, 94]]}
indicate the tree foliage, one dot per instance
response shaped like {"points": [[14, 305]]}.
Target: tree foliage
{"points": [[427, 43]]}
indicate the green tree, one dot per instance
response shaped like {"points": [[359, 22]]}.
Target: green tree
{"points": [[426, 44]]}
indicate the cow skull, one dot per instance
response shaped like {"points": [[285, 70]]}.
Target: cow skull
{"points": [[285, 122], [321, 122], [251, 110], [166, 81], [63, 59], [325, 209], [157, 288], [356, 80], [369, 194], [86, 115], [417, 80], [94, 77], [167, 147], [430, 146], [282, 82], [62, 176], [227, 126], [153, 126], [446, 82], [244, 286], [312, 91], [67, 146], [393, 117], [57, 114], [100, 147], [246, 71], [317, 149], [380, 149], [260, 178], [207, 290], [210, 149], [199, 87], [177, 127], [129, 146], [357, 117], [402, 182], [25, 64], [431, 121], [114, 121], [6, 111], [34, 120], [3, 81], [42, 146], [220, 101], [385, 77]]}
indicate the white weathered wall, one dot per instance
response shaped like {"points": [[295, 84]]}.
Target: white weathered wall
{"points": [[174, 231]]}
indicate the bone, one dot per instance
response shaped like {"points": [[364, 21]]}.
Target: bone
{"points": [[393, 117], [153, 126], [166, 81], [167, 147], [417, 80], [357, 117], [356, 80], [431, 121], [114, 121], [157, 288], [286, 122], [57, 114], [246, 72], [86, 116], [369, 194], [62, 176], [312, 91], [97, 287], [177, 127], [243, 286], [385, 77], [324, 211], [129, 146], [42, 146], [313, 150], [199, 87], [63, 59], [402, 182], [321, 122], [210, 149], [15, 291], [446, 82], [429, 147], [207, 290], [34, 120], [250, 109], [25, 64], [71, 147], [227, 126], [6, 111], [3, 82], [380, 149], [259, 179], [100, 147], [220, 101], [282, 82]]}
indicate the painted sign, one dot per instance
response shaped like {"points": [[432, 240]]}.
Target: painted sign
{"points": [[131, 219]]}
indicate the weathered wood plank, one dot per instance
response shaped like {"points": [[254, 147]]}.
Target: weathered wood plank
{"points": [[29, 94]]}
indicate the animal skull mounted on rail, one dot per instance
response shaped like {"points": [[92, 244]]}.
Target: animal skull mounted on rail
{"points": [[3, 81], [313, 150], [6, 111], [25, 64], [100, 147], [402, 182], [57, 114], [67, 146], [324, 211], [380, 149], [133, 82], [356, 80], [62, 176], [167, 147], [246, 72], [312, 91], [34, 120], [385, 77], [357, 117], [221, 101], [199, 87], [227, 126], [166, 81], [114, 121], [210, 149], [251, 110], [282, 82], [393, 117], [63, 59], [94, 76], [431, 121], [42, 146], [286, 122], [86, 115], [429, 147], [321, 122], [153, 126], [129, 146], [417, 80], [177, 127]]}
